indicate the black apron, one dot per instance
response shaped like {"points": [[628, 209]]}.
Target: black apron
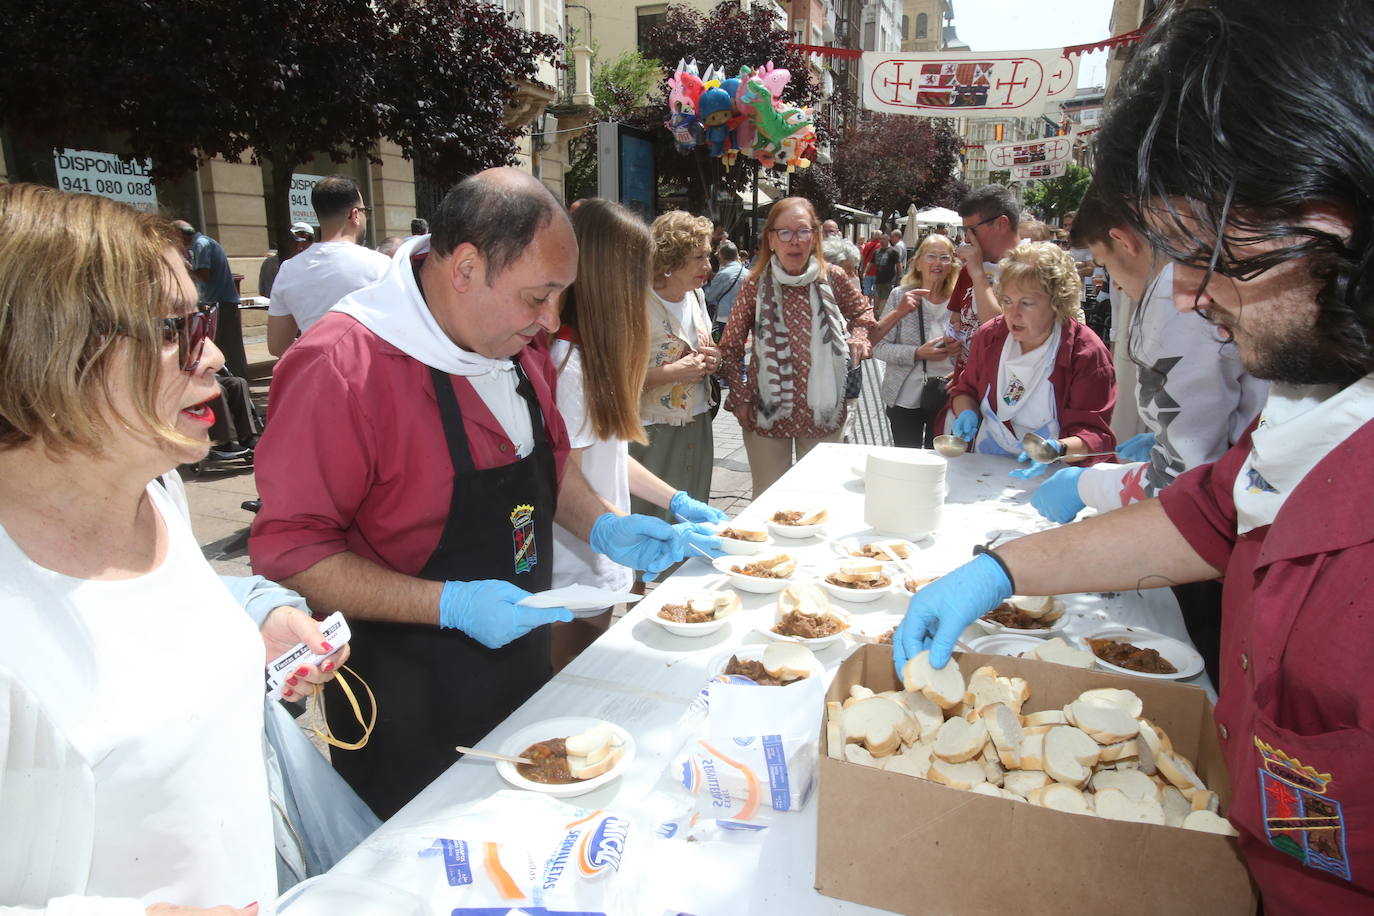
{"points": [[437, 688]]}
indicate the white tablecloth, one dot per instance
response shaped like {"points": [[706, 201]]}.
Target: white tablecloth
{"points": [[642, 678]]}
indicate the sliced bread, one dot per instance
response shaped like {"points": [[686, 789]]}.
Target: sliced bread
{"points": [[944, 686], [959, 740], [1105, 723], [1115, 804], [1207, 822], [1069, 755], [1004, 728], [964, 775]]}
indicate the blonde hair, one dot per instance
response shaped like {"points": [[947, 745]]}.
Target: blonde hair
{"points": [[915, 278], [79, 276], [1047, 266], [1035, 230], [608, 305], [765, 238], [677, 235]]}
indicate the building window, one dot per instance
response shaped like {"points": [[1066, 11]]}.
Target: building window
{"points": [[922, 25], [648, 18], [906, 27], [870, 36]]}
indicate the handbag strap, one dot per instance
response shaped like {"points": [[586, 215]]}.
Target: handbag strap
{"points": [[921, 317]]}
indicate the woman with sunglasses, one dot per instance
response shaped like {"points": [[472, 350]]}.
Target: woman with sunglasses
{"points": [[132, 770], [804, 317], [912, 339]]}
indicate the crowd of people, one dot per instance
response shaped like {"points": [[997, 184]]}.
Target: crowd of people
{"points": [[521, 397]]}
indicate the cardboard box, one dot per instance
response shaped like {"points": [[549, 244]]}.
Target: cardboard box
{"points": [[905, 844]]}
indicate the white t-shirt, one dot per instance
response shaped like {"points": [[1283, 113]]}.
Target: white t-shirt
{"points": [[682, 311], [148, 695], [309, 284], [605, 464]]}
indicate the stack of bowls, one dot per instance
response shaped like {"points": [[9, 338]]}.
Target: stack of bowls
{"points": [[904, 492]]}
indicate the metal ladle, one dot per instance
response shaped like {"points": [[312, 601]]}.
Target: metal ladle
{"points": [[1039, 449]]}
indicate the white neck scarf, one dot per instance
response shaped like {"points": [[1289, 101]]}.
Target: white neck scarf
{"points": [[1299, 426], [773, 349], [1023, 379], [394, 310]]}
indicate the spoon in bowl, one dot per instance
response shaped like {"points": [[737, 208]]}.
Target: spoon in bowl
{"points": [[1040, 450]]}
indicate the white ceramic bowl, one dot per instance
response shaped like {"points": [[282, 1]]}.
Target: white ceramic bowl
{"points": [[870, 628], [796, 532], [562, 727], [716, 665], [755, 584], [912, 551], [860, 595], [818, 642], [1054, 629], [690, 630], [1179, 654], [741, 548]]}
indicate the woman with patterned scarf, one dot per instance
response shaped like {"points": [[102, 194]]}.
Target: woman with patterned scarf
{"points": [[805, 317]]}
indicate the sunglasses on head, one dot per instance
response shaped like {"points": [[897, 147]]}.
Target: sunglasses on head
{"points": [[189, 331]]}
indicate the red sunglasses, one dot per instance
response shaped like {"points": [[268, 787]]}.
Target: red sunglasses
{"points": [[189, 331]]}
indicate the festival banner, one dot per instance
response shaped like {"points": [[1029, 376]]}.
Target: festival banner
{"points": [[964, 84], [1039, 170], [1028, 152]]}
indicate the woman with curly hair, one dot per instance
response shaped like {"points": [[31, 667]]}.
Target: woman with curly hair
{"points": [[677, 399], [1035, 368], [805, 317]]}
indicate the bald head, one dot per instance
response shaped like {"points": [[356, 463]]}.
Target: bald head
{"points": [[498, 212]]}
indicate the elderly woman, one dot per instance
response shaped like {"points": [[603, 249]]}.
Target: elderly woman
{"points": [[132, 767], [804, 317], [912, 339], [1036, 368], [677, 398]]}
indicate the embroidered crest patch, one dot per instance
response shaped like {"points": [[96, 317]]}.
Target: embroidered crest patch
{"points": [[1015, 389], [1257, 484], [526, 552], [1299, 818]]}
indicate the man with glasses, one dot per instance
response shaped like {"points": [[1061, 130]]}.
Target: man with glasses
{"points": [[991, 218], [310, 283], [215, 283]]}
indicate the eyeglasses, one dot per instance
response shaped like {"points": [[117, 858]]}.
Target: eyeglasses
{"points": [[189, 331], [939, 258], [975, 226], [801, 235], [363, 208]]}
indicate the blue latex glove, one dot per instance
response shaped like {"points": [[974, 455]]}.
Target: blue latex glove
{"points": [[945, 607], [1136, 448], [487, 611], [1058, 499], [694, 510], [966, 425], [697, 534], [1037, 467], [638, 541]]}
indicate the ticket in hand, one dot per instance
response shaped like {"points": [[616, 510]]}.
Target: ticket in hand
{"points": [[335, 631]]}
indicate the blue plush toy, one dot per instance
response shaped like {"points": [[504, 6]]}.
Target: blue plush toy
{"points": [[715, 108]]}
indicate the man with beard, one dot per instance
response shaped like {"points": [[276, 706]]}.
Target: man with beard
{"points": [[1243, 155], [310, 283]]}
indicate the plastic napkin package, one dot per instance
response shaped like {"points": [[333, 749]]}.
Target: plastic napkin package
{"points": [[746, 754]]}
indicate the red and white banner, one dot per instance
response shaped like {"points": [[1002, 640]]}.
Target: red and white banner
{"points": [[962, 84], [1028, 152], [1039, 170]]}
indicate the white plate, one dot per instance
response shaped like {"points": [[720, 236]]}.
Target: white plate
{"points": [[861, 595], [819, 642], [995, 629], [755, 584], [750, 653], [1179, 654], [741, 548], [796, 532], [693, 630], [562, 727], [1004, 644]]}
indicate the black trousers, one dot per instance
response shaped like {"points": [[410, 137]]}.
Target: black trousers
{"points": [[234, 420], [912, 427], [229, 339], [1200, 603]]}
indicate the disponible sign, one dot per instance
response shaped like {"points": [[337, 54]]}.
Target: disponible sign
{"points": [[302, 210], [89, 172]]}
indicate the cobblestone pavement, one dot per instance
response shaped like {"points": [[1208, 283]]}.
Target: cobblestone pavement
{"points": [[216, 491]]}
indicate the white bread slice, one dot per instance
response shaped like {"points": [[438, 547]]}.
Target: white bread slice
{"points": [[1115, 804], [1176, 807], [944, 686], [1069, 755], [857, 753], [1114, 696], [721, 604], [985, 687], [913, 761], [859, 571], [1004, 728], [593, 739], [923, 710], [987, 788], [1133, 784], [898, 549], [1033, 752], [814, 518], [964, 775], [1179, 770], [958, 740], [585, 768], [785, 660], [1120, 752], [1207, 822], [856, 693], [1024, 782], [745, 533], [1204, 800], [993, 770], [1061, 798], [805, 598], [1104, 723], [834, 733], [1047, 608], [1144, 754], [1061, 652], [1044, 717], [1156, 737], [879, 723]]}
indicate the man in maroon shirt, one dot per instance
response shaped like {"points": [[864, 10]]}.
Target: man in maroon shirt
{"points": [[1270, 232], [991, 217]]}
